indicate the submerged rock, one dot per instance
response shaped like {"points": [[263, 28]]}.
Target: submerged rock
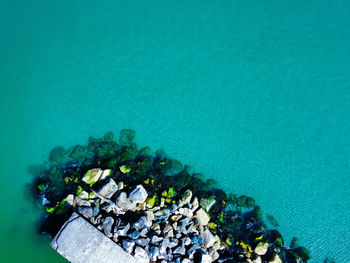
{"points": [[126, 137]]}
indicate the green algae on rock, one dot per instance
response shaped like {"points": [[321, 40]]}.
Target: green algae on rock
{"points": [[80, 176]]}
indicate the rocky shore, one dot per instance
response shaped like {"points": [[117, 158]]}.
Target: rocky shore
{"points": [[154, 207]]}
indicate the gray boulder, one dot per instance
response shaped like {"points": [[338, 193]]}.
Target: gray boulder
{"points": [[138, 195], [108, 189]]}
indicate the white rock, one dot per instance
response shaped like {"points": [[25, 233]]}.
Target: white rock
{"points": [[138, 195], [276, 259], [208, 239], [261, 248], [202, 216]]}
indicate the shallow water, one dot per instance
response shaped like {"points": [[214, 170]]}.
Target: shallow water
{"points": [[254, 94]]}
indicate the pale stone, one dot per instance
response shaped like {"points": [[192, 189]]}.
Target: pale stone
{"points": [[92, 176], [276, 259], [202, 216], [261, 248]]}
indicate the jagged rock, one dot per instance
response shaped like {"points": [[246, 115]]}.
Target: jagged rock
{"points": [[154, 252], [207, 203], [120, 186], [202, 216], [121, 228], [186, 197], [208, 239], [134, 234], [261, 248], [195, 204], [180, 250], [108, 189], [81, 202], [167, 243], [92, 176], [141, 255], [70, 200], [205, 259], [257, 260], [213, 254], [85, 211], [128, 245], [294, 243], [142, 242], [107, 225], [276, 259], [156, 239], [138, 195], [123, 202], [186, 212], [144, 232]]}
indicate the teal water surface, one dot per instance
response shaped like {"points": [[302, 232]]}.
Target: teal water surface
{"points": [[255, 94]]}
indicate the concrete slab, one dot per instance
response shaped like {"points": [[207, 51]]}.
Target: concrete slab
{"points": [[80, 242]]}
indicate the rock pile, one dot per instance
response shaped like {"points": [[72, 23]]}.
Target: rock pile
{"points": [[154, 207], [171, 232]]}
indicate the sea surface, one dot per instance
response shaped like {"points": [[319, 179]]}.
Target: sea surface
{"points": [[255, 94]]}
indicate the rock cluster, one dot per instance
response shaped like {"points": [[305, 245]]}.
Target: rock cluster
{"points": [[154, 207], [169, 232]]}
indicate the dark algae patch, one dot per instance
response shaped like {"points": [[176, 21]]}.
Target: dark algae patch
{"points": [[68, 183]]}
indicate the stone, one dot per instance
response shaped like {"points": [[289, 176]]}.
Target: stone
{"points": [[134, 234], [186, 197], [70, 200], [108, 189], [180, 250], [57, 154], [126, 137], [128, 245], [207, 203], [123, 202], [105, 174], [80, 242], [107, 225], [257, 260], [154, 252], [121, 228], [276, 259], [261, 248], [205, 259], [141, 255], [92, 176], [142, 242], [208, 239], [202, 216], [81, 202], [156, 239], [213, 254], [85, 211], [195, 204], [138, 195], [294, 243], [120, 186]]}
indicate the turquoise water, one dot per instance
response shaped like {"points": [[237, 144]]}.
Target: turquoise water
{"points": [[255, 94]]}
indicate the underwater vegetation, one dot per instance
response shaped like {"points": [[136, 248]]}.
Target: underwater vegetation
{"points": [[236, 219]]}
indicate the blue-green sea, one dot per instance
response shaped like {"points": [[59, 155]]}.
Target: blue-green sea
{"points": [[255, 94]]}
